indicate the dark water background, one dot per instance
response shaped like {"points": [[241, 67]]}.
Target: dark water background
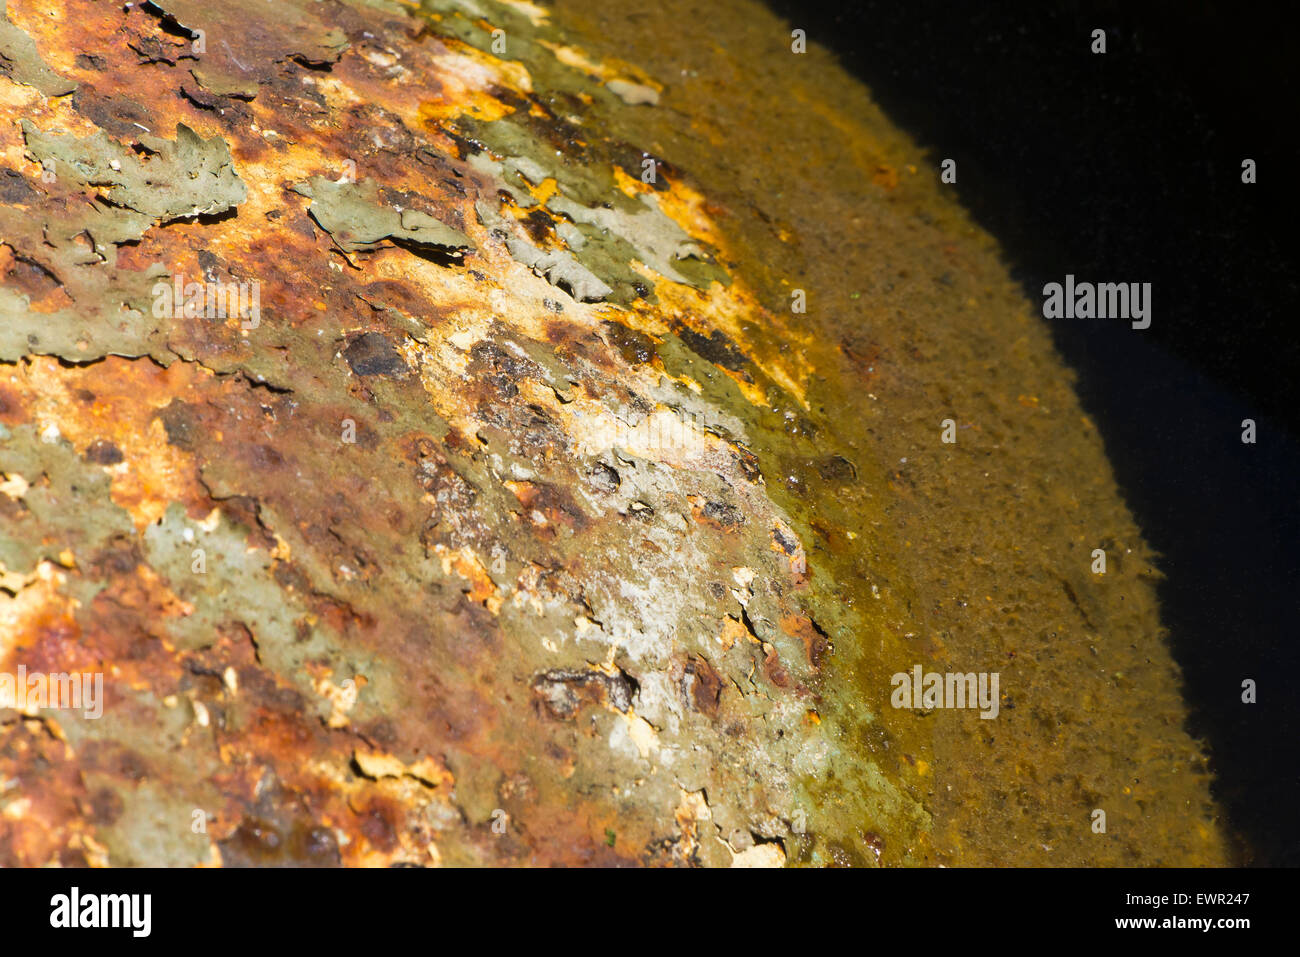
{"points": [[1126, 167]]}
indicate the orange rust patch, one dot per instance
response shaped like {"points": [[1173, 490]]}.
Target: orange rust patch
{"points": [[102, 403]]}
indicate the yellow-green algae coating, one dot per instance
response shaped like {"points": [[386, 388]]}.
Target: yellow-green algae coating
{"points": [[536, 527]]}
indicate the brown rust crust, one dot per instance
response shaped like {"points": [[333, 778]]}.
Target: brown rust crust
{"points": [[448, 557]]}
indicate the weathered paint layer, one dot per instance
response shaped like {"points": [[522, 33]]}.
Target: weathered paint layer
{"points": [[432, 486]]}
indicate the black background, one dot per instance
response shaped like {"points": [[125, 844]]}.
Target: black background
{"points": [[1126, 167], [311, 910]]}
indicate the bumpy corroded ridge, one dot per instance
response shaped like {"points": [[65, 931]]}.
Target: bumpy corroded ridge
{"points": [[510, 516]]}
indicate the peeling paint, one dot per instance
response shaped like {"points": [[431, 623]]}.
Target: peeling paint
{"points": [[527, 525]]}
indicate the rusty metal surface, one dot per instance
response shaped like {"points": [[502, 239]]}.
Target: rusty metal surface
{"points": [[518, 520]]}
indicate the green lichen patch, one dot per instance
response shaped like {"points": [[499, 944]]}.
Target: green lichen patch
{"points": [[66, 502], [22, 63], [115, 320], [176, 179], [358, 218]]}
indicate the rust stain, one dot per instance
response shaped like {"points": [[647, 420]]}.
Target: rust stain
{"points": [[503, 548]]}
